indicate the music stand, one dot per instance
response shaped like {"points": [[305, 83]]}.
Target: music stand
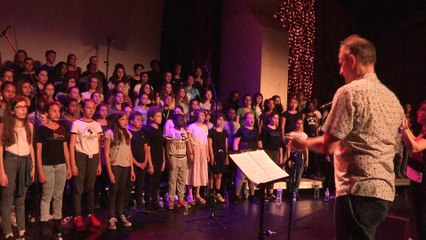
{"points": [[261, 170], [262, 232]]}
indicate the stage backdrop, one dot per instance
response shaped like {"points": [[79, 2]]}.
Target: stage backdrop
{"points": [[254, 49], [82, 27]]}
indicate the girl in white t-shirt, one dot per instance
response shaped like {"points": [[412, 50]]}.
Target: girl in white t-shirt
{"points": [[198, 169], [119, 164], [85, 161]]}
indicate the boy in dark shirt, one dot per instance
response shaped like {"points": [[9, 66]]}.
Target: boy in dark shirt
{"points": [[154, 135], [140, 151]]}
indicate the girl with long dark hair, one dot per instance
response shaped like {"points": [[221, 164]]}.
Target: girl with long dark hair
{"points": [[119, 164], [17, 163]]}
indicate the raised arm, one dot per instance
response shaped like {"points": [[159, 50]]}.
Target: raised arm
{"points": [[414, 145]]}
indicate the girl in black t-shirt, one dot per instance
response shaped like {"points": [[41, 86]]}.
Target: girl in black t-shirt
{"points": [[289, 117], [218, 148], [53, 167], [273, 144]]}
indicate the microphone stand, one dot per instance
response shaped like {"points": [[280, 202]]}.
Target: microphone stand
{"points": [[213, 86], [296, 164], [110, 39], [4, 34], [212, 208]]}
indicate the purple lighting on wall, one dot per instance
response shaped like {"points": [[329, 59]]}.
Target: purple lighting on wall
{"points": [[298, 18]]}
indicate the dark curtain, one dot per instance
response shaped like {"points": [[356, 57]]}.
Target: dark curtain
{"points": [[191, 35], [396, 28]]}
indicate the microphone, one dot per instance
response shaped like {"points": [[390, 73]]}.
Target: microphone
{"points": [[325, 106], [5, 30]]}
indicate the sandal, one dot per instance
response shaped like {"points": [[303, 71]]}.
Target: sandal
{"points": [[201, 200]]}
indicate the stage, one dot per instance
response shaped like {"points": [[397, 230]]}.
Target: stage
{"points": [[312, 219]]}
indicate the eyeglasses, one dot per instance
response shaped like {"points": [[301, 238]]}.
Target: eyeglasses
{"points": [[21, 107]]}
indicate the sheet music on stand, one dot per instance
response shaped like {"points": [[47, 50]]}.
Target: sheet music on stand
{"points": [[258, 166]]}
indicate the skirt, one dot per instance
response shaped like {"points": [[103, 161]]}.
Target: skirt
{"points": [[198, 169]]}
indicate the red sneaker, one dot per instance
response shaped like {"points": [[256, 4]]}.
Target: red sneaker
{"points": [[78, 222], [182, 203], [94, 221]]}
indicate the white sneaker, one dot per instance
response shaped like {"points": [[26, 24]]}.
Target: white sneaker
{"points": [[112, 224], [124, 221]]}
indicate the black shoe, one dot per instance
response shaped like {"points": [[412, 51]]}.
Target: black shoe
{"points": [[298, 198], [45, 230]]}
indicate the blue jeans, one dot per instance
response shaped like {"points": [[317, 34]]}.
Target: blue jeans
{"points": [[296, 172], [358, 217]]}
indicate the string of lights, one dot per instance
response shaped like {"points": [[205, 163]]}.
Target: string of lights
{"points": [[298, 18]]}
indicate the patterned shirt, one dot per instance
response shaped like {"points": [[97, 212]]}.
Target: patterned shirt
{"points": [[365, 116]]}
